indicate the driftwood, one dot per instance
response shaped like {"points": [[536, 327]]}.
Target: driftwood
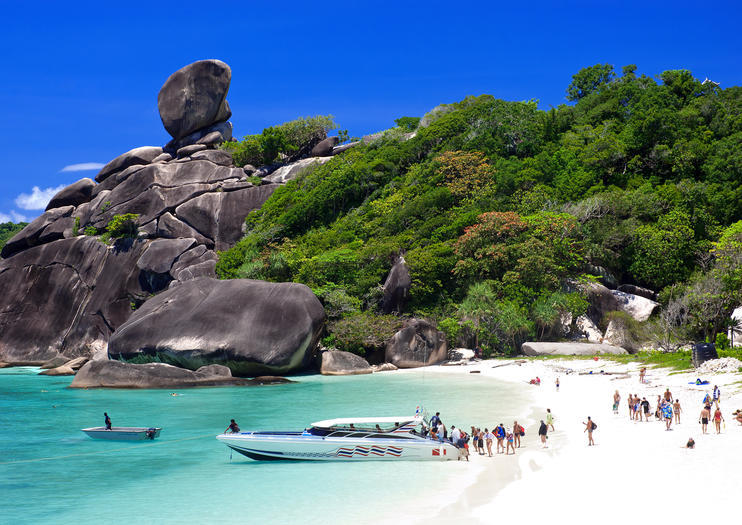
{"points": [[518, 362]]}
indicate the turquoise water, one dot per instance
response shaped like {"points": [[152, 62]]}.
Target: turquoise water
{"points": [[186, 476]]}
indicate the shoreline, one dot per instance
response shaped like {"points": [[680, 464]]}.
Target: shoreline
{"points": [[630, 458]]}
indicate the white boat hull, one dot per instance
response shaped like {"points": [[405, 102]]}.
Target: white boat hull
{"points": [[298, 446], [123, 433]]}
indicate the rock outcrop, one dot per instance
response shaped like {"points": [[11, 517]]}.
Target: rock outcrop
{"points": [[618, 334], [66, 297], [253, 327], [339, 363], [638, 307], [570, 349], [73, 195], [113, 374], [600, 301], [65, 294], [418, 343], [588, 329], [136, 157], [63, 370], [638, 290], [290, 171], [396, 287]]}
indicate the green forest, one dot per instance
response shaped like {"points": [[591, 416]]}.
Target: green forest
{"points": [[502, 209], [8, 230]]}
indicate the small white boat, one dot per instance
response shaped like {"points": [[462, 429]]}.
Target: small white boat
{"points": [[356, 439], [123, 433]]}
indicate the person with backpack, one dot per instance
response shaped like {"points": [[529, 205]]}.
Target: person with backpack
{"points": [[517, 433], [590, 426], [717, 395], [500, 435]]}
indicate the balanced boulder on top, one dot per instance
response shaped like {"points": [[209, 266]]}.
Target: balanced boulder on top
{"points": [[195, 97]]}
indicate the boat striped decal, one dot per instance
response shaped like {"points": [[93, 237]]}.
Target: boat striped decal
{"points": [[349, 452]]}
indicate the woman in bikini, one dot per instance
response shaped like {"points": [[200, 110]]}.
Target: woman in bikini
{"points": [[676, 410], [510, 439], [616, 401], [718, 418], [488, 437]]}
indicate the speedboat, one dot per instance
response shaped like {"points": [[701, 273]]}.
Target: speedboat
{"points": [[355, 439], [123, 433]]}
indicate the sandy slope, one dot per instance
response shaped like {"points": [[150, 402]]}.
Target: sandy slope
{"points": [[637, 472]]}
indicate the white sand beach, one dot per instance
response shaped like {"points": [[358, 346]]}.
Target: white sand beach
{"points": [[637, 471]]}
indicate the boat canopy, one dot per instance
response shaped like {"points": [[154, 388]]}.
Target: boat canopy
{"points": [[347, 421]]}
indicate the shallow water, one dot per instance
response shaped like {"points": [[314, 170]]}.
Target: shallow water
{"points": [[186, 476]]}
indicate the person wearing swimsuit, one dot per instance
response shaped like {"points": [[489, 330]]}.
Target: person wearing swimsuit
{"points": [[704, 418], [589, 429], [488, 437], [718, 418], [510, 439]]}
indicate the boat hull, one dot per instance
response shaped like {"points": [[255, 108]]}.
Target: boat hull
{"points": [[317, 448], [123, 433]]}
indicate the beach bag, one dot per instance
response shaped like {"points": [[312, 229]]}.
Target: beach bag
{"points": [[522, 431], [594, 425]]}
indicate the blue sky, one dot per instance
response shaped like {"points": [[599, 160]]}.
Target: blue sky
{"points": [[80, 80]]}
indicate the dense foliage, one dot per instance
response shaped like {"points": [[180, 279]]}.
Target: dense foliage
{"points": [[281, 142], [8, 230], [499, 206]]}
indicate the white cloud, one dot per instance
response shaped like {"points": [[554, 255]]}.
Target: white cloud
{"points": [[38, 199], [13, 216], [83, 166]]}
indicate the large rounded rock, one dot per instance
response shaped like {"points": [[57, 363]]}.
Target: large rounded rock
{"points": [[570, 349], [250, 326], [195, 97], [73, 195], [114, 374], [338, 363], [600, 300], [638, 307], [419, 343], [324, 148]]}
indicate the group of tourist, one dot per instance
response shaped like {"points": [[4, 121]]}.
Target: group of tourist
{"points": [[505, 439], [668, 409]]}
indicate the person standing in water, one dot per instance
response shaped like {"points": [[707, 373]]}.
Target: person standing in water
{"points": [[589, 428], [107, 421]]}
